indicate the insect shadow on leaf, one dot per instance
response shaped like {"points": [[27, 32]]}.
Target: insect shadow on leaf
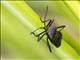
{"points": [[53, 34]]}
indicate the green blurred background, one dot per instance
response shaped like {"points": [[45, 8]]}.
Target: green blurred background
{"points": [[19, 18]]}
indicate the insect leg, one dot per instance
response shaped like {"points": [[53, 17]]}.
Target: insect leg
{"points": [[46, 11], [38, 34], [48, 45], [37, 29], [49, 24], [63, 26], [44, 20], [39, 38]]}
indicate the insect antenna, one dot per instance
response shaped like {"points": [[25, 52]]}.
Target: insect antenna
{"points": [[45, 14]]}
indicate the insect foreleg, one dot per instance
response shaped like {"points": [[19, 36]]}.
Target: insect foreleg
{"points": [[48, 45], [45, 16], [49, 24], [43, 21]]}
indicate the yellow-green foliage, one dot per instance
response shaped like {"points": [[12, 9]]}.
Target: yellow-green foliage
{"points": [[18, 19]]}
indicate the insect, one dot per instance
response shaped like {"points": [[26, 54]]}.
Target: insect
{"points": [[53, 33]]}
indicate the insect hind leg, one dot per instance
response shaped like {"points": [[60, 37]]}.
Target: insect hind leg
{"points": [[37, 34], [40, 37], [37, 29], [63, 26], [48, 45]]}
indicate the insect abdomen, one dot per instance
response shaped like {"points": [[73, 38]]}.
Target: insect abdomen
{"points": [[57, 43]]}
